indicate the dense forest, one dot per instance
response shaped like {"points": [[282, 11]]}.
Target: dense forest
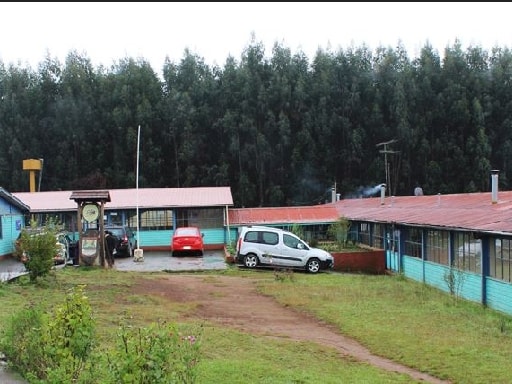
{"points": [[279, 128]]}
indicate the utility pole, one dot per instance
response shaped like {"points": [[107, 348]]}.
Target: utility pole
{"points": [[385, 151]]}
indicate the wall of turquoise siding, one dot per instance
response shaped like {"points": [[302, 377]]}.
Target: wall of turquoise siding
{"points": [[499, 295], [11, 219], [413, 268], [392, 261], [154, 238], [212, 236], [467, 285], [232, 236]]}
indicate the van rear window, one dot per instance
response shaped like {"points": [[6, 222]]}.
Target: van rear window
{"points": [[262, 237], [270, 238], [251, 237]]}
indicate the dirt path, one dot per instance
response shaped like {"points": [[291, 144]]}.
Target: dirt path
{"points": [[235, 302]]}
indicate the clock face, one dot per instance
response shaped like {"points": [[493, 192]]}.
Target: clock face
{"points": [[90, 212]]}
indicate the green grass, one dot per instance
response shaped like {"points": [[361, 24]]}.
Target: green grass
{"points": [[396, 318]]}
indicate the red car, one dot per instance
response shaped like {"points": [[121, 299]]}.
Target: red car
{"points": [[187, 240]]}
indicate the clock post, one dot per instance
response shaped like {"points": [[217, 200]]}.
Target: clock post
{"points": [[91, 226]]}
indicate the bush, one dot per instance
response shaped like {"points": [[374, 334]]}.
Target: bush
{"points": [[39, 247], [157, 354], [339, 231], [58, 347], [51, 347]]}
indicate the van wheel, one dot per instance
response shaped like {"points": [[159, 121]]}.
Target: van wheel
{"points": [[313, 265], [250, 261]]}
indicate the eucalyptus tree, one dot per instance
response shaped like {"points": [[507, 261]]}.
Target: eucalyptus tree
{"points": [[462, 76], [478, 149], [499, 113], [77, 122], [318, 141], [189, 118], [424, 165], [130, 97], [354, 81], [19, 100], [230, 85], [254, 143]]}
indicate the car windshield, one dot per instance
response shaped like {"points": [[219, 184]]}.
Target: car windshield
{"points": [[116, 231], [186, 232]]}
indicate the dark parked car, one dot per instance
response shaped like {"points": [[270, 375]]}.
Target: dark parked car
{"points": [[125, 240]]}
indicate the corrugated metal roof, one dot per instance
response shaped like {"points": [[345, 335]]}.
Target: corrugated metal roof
{"points": [[306, 214], [60, 201], [470, 211]]}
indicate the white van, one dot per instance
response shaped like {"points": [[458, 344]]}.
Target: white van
{"points": [[267, 246]]}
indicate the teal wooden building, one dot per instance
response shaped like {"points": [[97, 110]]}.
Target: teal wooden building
{"points": [[12, 217]]}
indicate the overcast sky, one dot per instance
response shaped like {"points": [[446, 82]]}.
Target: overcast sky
{"points": [[107, 32]]}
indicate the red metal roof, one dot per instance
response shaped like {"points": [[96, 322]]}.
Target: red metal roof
{"points": [[306, 214], [60, 201], [470, 211]]}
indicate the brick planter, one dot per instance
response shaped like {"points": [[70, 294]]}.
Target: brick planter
{"points": [[367, 261]]}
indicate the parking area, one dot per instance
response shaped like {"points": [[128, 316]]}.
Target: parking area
{"points": [[153, 262], [163, 261]]}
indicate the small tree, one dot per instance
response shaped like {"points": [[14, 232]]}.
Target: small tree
{"points": [[339, 231], [40, 246], [297, 230]]}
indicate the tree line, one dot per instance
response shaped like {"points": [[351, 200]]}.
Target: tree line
{"points": [[279, 129]]}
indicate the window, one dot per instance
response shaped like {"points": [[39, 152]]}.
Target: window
{"points": [[270, 238], [364, 233], [467, 252], [157, 219], [290, 241], [251, 237], [378, 236], [413, 243], [437, 247], [500, 259], [200, 217]]}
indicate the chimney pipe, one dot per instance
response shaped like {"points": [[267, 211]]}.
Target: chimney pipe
{"points": [[382, 193], [494, 185], [333, 195]]}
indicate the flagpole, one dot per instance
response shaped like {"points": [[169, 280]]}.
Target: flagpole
{"points": [[138, 253]]}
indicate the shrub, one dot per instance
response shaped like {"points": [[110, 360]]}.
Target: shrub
{"points": [[339, 231], [297, 230], [39, 249], [51, 347], [22, 341], [156, 354]]}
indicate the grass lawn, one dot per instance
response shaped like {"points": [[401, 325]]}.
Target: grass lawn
{"points": [[403, 320]]}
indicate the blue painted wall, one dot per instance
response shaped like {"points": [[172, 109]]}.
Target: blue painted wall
{"points": [[499, 295], [212, 236], [12, 222], [467, 285]]}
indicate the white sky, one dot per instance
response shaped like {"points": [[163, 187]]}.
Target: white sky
{"points": [[107, 32]]}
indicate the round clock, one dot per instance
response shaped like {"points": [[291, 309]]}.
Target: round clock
{"points": [[90, 212]]}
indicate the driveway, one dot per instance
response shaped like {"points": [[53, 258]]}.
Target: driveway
{"points": [[163, 261], [153, 262]]}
